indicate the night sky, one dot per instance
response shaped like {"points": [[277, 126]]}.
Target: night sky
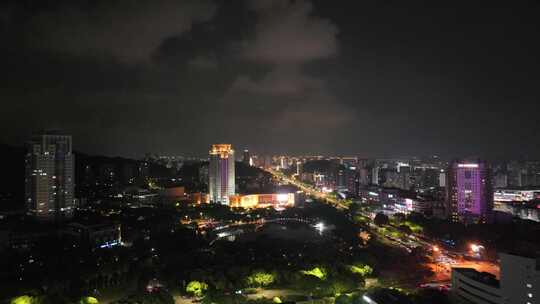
{"points": [[367, 78]]}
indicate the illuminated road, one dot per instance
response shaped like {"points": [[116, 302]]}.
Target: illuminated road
{"points": [[309, 190], [440, 265]]}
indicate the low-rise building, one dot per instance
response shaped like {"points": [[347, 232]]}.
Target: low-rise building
{"points": [[516, 195], [472, 286], [102, 235], [523, 210], [519, 282], [274, 200]]}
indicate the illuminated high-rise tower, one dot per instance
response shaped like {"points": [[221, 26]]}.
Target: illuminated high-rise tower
{"points": [[469, 193], [49, 177], [221, 173]]}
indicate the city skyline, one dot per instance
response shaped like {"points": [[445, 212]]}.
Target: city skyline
{"points": [[269, 151], [386, 80]]}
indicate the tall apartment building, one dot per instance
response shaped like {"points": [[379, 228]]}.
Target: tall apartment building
{"points": [[49, 177], [375, 175], [221, 173], [469, 191], [247, 158]]}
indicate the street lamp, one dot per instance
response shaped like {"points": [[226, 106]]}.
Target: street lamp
{"points": [[476, 250], [320, 226]]}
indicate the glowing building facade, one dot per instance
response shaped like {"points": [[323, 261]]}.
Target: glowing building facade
{"points": [[469, 192], [49, 176], [221, 174], [274, 200]]}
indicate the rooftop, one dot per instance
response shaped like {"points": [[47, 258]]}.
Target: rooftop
{"points": [[482, 277]]}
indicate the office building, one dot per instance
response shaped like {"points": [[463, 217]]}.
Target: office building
{"points": [[516, 173], [274, 200], [284, 162], [500, 180], [425, 177], [375, 175], [363, 178], [97, 235], [221, 174], [469, 192], [442, 178], [516, 195], [49, 176], [519, 282], [247, 158]]}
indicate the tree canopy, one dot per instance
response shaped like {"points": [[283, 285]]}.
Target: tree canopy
{"points": [[260, 279], [317, 272], [381, 219], [196, 288], [89, 300], [361, 269], [24, 300]]}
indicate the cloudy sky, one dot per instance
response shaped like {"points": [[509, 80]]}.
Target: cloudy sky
{"points": [[367, 78]]}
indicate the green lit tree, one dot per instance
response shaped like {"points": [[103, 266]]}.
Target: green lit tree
{"points": [[318, 272], [196, 288], [89, 300], [361, 269], [260, 279], [25, 300]]}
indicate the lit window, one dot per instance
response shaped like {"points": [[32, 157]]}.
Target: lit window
{"points": [[529, 285], [530, 295]]}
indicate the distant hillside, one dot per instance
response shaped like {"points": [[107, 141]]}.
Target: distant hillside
{"points": [[87, 167], [245, 171]]}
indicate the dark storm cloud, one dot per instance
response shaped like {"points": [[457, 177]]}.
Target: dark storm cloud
{"points": [[129, 30], [358, 77], [203, 62], [5, 14], [290, 102], [287, 32], [295, 101]]}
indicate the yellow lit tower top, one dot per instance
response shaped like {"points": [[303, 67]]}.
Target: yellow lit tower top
{"points": [[223, 150]]}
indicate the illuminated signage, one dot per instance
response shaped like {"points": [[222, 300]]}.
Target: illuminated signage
{"points": [[467, 165]]}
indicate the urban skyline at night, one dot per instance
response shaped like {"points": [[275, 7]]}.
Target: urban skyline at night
{"points": [[269, 152]]}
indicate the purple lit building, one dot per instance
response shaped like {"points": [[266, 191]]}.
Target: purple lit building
{"points": [[221, 173], [469, 192]]}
